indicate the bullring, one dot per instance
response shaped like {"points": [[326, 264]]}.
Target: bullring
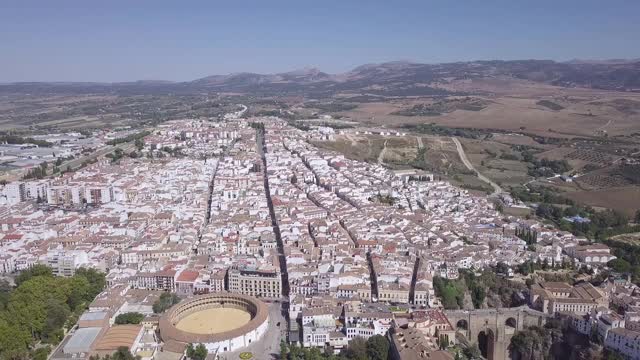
{"points": [[221, 321]]}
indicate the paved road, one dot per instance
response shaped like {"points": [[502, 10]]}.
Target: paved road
{"points": [[496, 188], [268, 347]]}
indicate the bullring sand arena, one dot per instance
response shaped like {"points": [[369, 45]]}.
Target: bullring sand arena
{"points": [[221, 321], [212, 321]]}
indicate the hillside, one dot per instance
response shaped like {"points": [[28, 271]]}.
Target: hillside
{"points": [[396, 79]]}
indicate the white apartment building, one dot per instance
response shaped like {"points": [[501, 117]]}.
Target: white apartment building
{"points": [[15, 192], [626, 342], [255, 282], [65, 262]]}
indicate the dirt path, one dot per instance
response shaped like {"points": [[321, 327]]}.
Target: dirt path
{"points": [[605, 126], [382, 153], [496, 188], [350, 138]]}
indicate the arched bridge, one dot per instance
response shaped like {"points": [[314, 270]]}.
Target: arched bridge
{"points": [[492, 329]]}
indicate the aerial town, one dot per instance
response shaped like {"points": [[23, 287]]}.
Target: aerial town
{"points": [[240, 239]]}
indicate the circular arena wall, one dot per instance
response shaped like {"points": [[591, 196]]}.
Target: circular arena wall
{"points": [[206, 319]]}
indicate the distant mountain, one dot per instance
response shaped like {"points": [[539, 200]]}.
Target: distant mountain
{"points": [[603, 62], [398, 78]]}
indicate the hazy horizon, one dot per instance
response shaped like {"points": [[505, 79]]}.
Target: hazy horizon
{"points": [[121, 41], [313, 67]]}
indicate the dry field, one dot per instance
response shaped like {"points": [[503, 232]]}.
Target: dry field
{"points": [[400, 150], [625, 199], [599, 188], [216, 320], [602, 179], [361, 148], [584, 112], [632, 238], [518, 139], [440, 152], [487, 157]]}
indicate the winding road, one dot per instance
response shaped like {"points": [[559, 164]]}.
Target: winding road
{"points": [[496, 188]]}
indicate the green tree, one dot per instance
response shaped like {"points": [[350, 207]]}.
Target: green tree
{"points": [[612, 355], [478, 294], [39, 308], [198, 352], [472, 352], [41, 353], [80, 292], [619, 265], [312, 354], [5, 291], [57, 313], [378, 347], [357, 349], [14, 341], [295, 353], [502, 268], [165, 301], [448, 292], [97, 281], [129, 318], [284, 350], [123, 353], [35, 270], [139, 144]]}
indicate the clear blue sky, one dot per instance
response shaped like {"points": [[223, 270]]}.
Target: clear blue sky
{"points": [[112, 40]]}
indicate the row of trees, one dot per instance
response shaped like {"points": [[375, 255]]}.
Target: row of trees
{"points": [[15, 139], [539, 194], [529, 267], [434, 129], [130, 138], [545, 167], [37, 172], [373, 348], [116, 155], [529, 236], [40, 306]]}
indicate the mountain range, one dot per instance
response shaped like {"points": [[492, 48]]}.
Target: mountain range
{"points": [[385, 79]]}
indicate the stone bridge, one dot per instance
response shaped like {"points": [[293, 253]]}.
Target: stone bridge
{"points": [[492, 329]]}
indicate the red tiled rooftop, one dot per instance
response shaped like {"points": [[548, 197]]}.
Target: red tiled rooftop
{"points": [[188, 275]]}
